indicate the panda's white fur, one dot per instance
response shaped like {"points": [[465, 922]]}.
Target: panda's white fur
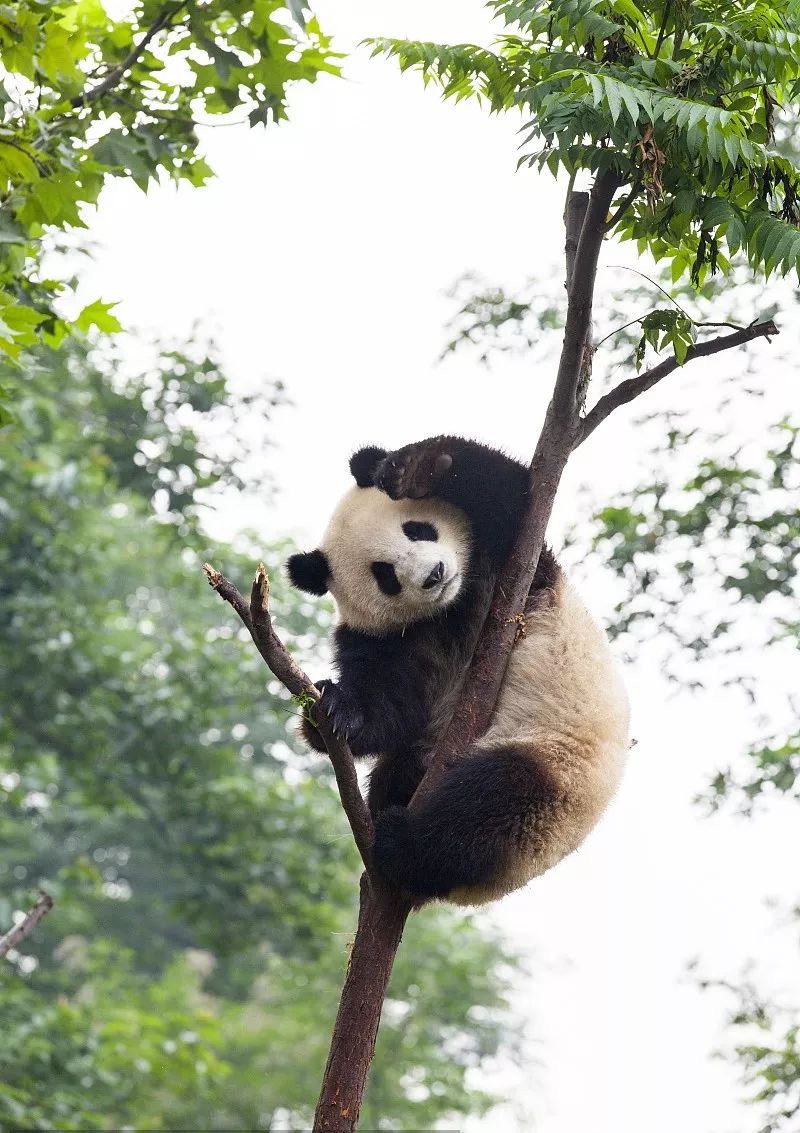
{"points": [[532, 788], [563, 699], [368, 525]]}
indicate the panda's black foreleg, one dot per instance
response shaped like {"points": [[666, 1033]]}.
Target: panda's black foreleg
{"points": [[469, 831]]}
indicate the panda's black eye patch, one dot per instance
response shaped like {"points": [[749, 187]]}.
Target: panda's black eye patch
{"points": [[386, 578], [417, 531]]}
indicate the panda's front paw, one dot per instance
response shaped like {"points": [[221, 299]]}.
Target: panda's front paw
{"points": [[414, 471], [346, 718]]}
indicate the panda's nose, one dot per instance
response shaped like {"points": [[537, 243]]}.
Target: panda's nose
{"points": [[436, 575]]}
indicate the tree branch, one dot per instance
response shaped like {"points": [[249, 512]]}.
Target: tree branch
{"points": [[631, 388], [25, 927], [382, 911], [484, 678], [580, 290], [574, 215], [256, 618], [110, 81], [625, 204]]}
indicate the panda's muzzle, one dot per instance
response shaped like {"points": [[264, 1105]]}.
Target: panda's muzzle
{"points": [[435, 577]]}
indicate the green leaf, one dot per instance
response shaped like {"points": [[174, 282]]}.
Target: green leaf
{"points": [[98, 314]]}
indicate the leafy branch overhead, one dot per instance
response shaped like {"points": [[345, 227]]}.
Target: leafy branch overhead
{"points": [[87, 97], [681, 99]]}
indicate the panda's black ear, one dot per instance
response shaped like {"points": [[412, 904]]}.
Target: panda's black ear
{"points": [[309, 571], [363, 464]]}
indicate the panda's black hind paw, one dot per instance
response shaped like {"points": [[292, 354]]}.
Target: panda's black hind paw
{"points": [[414, 471]]}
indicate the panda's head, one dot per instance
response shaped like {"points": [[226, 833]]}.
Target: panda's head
{"points": [[388, 563]]}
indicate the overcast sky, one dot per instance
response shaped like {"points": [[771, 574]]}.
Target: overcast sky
{"points": [[321, 254]]}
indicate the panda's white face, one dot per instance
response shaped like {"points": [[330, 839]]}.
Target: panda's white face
{"points": [[394, 562]]}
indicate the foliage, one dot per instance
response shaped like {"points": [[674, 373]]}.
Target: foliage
{"points": [[87, 97], [69, 1063], [731, 518], [204, 879], [680, 99], [766, 1042]]}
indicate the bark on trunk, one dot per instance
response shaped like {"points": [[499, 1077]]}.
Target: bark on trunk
{"points": [[381, 918]]}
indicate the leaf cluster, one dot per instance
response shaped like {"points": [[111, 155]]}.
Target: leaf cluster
{"points": [[766, 1042], [680, 99], [85, 97]]}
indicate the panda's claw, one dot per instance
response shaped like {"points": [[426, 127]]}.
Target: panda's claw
{"points": [[346, 720]]}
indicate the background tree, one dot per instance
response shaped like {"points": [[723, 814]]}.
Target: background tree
{"points": [[188, 974], [669, 108], [87, 97]]}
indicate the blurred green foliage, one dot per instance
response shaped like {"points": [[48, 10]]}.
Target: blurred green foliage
{"points": [[203, 873]]}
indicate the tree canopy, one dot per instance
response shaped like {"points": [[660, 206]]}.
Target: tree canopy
{"points": [[679, 101], [87, 97]]}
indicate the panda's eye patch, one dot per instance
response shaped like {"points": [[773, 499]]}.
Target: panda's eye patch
{"points": [[417, 531], [386, 578]]}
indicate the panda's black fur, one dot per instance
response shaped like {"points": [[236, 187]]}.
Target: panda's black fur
{"points": [[530, 790]]}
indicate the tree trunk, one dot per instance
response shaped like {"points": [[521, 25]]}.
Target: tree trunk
{"points": [[382, 916]]}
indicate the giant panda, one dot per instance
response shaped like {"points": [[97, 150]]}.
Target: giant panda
{"points": [[411, 555]]}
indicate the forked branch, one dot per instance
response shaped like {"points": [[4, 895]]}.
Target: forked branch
{"points": [[585, 227], [92, 94], [25, 927], [256, 617]]}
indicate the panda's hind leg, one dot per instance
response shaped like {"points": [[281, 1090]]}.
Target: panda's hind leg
{"points": [[392, 782], [488, 811]]}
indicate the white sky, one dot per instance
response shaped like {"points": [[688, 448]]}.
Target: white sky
{"points": [[321, 254]]}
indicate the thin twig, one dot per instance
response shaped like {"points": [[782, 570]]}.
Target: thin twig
{"points": [[635, 322], [25, 927], [631, 388], [675, 303], [627, 201], [110, 81], [256, 617], [619, 330], [663, 290], [662, 29]]}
